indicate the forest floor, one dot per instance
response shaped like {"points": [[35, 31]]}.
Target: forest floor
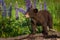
{"points": [[33, 37]]}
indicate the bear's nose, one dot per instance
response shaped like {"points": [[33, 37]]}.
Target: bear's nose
{"points": [[27, 15]]}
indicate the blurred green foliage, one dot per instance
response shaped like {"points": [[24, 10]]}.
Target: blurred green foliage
{"points": [[12, 27]]}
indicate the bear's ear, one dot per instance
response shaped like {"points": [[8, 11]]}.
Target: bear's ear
{"points": [[35, 10]]}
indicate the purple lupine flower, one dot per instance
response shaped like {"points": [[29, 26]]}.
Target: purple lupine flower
{"points": [[22, 10], [16, 6], [44, 5], [34, 3], [4, 11], [28, 3], [10, 10], [2, 1], [16, 12]]}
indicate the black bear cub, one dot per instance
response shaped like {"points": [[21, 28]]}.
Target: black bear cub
{"points": [[42, 17]]}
